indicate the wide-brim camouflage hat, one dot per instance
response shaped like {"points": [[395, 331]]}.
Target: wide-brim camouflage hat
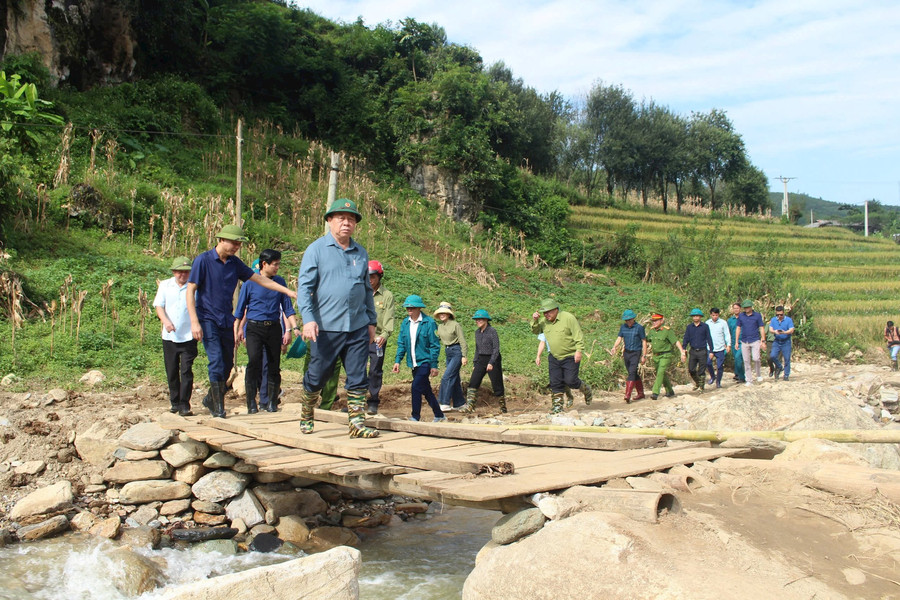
{"points": [[181, 263], [548, 304], [344, 205], [232, 232]]}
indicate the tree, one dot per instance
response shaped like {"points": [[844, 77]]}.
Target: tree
{"points": [[609, 114], [748, 187], [719, 151]]}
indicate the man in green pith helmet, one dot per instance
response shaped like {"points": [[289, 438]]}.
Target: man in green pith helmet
{"points": [[564, 336], [336, 303], [663, 342]]}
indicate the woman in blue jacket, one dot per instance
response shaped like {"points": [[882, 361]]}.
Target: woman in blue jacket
{"points": [[419, 343]]}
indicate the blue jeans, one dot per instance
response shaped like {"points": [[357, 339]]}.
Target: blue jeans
{"points": [[716, 373], [353, 350], [219, 345], [894, 350], [783, 348], [421, 386], [451, 386]]}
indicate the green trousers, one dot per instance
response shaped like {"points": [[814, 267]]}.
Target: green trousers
{"points": [[662, 379]]}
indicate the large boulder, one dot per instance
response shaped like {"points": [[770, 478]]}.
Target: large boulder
{"points": [[813, 449], [331, 575], [43, 501], [44, 529], [293, 529], [247, 508], [220, 485], [97, 444], [183, 453], [134, 574], [145, 437], [141, 492], [305, 503]]}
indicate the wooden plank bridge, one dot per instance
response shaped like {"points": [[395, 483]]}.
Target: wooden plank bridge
{"points": [[490, 467]]}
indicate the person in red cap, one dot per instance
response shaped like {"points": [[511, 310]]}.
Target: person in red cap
{"points": [[384, 309]]}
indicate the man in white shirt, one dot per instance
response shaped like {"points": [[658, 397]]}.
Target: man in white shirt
{"points": [[179, 345], [721, 337]]}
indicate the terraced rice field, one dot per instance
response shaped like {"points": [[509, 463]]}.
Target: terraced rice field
{"points": [[852, 280]]}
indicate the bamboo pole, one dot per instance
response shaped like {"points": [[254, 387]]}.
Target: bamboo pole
{"points": [[847, 436]]}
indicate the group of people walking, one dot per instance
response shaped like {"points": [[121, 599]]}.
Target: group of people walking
{"points": [[347, 318]]}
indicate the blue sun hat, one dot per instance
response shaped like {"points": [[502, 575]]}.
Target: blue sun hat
{"points": [[481, 314], [696, 312], [628, 314], [413, 301]]}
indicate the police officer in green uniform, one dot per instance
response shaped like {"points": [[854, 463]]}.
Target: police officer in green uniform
{"points": [[663, 341]]}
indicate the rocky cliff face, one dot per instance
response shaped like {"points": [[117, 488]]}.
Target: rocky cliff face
{"points": [[82, 42], [443, 186]]}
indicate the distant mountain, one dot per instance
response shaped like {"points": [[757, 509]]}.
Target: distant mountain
{"points": [[821, 209]]}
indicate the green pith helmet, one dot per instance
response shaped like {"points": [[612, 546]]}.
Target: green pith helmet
{"points": [[628, 315], [232, 232], [344, 205], [413, 301], [548, 304], [747, 304], [481, 314], [696, 312], [181, 263]]}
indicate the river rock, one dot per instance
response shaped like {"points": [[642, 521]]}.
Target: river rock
{"points": [[220, 460], [293, 529], [54, 395], [226, 547], [140, 537], [202, 518], [517, 525], [145, 436], [266, 477], [108, 528], [45, 500], [411, 507], [141, 492], [220, 485], [305, 503], [265, 542], [137, 470], [9, 379], [813, 449], [174, 507], [83, 521], [93, 377], [240, 526], [201, 534], [183, 453], [245, 467], [129, 454], [94, 488], [44, 529], [31, 467], [322, 538], [328, 492], [556, 508], [373, 520], [247, 508], [135, 574], [145, 514], [190, 473], [331, 575], [213, 508], [97, 445]]}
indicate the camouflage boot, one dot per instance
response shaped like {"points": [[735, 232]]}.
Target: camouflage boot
{"points": [[308, 409], [356, 407], [556, 404], [588, 393], [570, 399], [470, 402], [502, 401]]}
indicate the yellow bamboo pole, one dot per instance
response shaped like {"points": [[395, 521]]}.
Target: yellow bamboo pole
{"points": [[854, 436]]}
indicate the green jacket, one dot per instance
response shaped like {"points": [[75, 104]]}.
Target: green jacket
{"points": [[384, 311], [563, 335], [662, 340]]}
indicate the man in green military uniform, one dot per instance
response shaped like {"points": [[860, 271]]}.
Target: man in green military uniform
{"points": [[566, 342], [663, 341]]}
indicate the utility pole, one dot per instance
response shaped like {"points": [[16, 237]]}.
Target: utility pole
{"points": [[811, 217], [333, 180], [866, 218], [238, 219], [784, 203]]}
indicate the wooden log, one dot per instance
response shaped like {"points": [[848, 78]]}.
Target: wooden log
{"points": [[644, 506], [589, 441]]}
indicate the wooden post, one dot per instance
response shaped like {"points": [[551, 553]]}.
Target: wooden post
{"points": [[238, 218], [333, 181]]}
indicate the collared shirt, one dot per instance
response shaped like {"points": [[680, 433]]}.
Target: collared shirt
{"points": [[384, 311], [487, 342], [451, 332], [563, 335], [173, 298], [785, 324], [421, 340], [263, 304], [720, 332], [749, 325], [697, 337], [333, 286], [662, 340], [215, 282], [413, 329], [633, 336]]}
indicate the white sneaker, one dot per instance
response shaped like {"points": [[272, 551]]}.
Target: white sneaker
{"points": [[759, 379], [446, 408], [749, 383]]}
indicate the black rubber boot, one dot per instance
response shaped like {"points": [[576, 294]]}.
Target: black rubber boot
{"points": [[272, 391], [252, 408], [217, 398]]}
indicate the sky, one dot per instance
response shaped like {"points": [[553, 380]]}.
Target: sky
{"points": [[812, 86]]}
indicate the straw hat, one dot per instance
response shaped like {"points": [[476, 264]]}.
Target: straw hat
{"points": [[445, 308]]}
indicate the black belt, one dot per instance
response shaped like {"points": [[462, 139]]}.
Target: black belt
{"points": [[263, 323]]}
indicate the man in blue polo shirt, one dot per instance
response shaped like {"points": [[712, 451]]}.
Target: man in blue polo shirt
{"points": [[750, 339], [338, 311], [633, 338], [263, 309], [783, 328], [210, 293]]}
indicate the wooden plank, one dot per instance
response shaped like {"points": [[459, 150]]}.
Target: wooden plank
{"points": [[362, 469], [302, 465], [589, 441], [247, 445], [330, 466], [480, 433], [423, 460], [289, 455]]}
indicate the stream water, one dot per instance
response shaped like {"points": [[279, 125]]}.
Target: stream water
{"points": [[421, 559]]}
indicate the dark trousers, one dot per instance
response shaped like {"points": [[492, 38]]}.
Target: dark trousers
{"points": [[495, 374], [563, 374], [632, 359], [715, 372], [178, 358], [263, 339], [697, 358], [421, 386], [376, 371], [219, 345], [353, 350]]}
